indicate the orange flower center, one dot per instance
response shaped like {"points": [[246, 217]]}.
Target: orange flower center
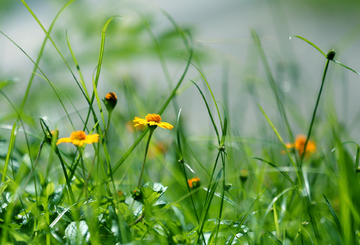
{"points": [[78, 135], [153, 118]]}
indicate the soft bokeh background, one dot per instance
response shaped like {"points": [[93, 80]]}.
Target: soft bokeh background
{"points": [[224, 48]]}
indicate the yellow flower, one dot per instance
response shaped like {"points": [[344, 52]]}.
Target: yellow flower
{"points": [[79, 138], [194, 182], [152, 120], [300, 144]]}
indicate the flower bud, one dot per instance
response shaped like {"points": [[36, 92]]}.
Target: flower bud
{"points": [[110, 101], [51, 135], [244, 174], [331, 54]]}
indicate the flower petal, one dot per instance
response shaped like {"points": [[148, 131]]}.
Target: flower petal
{"points": [[165, 125], [139, 121], [64, 140], [94, 138]]}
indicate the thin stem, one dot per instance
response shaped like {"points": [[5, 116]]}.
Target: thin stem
{"points": [[222, 196], [152, 128], [85, 179], [110, 172], [314, 112], [307, 197], [108, 123]]}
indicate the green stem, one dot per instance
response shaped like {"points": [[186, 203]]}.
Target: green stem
{"points": [[108, 123], [222, 195], [152, 128], [84, 175], [314, 112], [110, 172], [330, 56]]}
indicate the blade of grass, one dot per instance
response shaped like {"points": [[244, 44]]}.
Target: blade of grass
{"points": [[212, 94], [312, 44], [98, 69], [209, 112], [207, 206], [182, 162], [10, 151], [315, 110], [45, 77], [7, 160], [280, 139], [53, 43], [282, 172], [40, 55], [332, 211], [272, 83]]}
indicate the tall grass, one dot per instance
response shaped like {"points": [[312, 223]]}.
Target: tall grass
{"points": [[138, 186]]}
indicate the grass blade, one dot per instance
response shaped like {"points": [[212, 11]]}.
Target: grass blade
{"points": [[209, 112], [312, 44], [207, 206], [10, 151], [332, 211], [282, 172]]}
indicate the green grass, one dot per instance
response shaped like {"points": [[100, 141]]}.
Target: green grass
{"points": [[131, 187]]}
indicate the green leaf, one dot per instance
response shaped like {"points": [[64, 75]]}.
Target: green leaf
{"points": [[3, 186], [77, 233]]}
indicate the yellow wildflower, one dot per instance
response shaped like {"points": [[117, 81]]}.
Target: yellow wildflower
{"points": [[79, 138], [194, 182], [152, 120], [300, 144]]}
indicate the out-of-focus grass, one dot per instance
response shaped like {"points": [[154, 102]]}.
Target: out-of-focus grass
{"points": [[252, 190]]}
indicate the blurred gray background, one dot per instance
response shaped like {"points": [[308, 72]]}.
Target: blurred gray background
{"points": [[223, 42]]}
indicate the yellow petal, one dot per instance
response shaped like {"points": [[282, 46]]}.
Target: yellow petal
{"points": [[64, 140], [139, 121], [91, 139], [165, 125]]}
